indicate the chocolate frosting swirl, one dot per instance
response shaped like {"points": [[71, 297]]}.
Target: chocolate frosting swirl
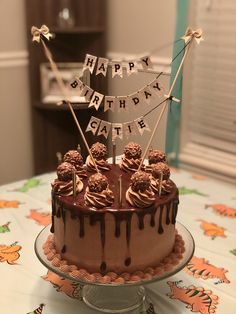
{"points": [[131, 164], [166, 186], [140, 199], [102, 164], [81, 172], [65, 188], [99, 200]]}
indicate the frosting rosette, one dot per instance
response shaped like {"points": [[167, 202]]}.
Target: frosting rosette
{"points": [[102, 164], [131, 158], [74, 157], [129, 164], [99, 200], [63, 185], [157, 171], [140, 193], [140, 199], [166, 186], [97, 193], [65, 188]]}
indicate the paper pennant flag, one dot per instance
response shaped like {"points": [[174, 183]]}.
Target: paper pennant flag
{"points": [[146, 63], [104, 128], [122, 103], [135, 99], [146, 94], [109, 103], [86, 91], [117, 131], [142, 125], [89, 63], [157, 87], [102, 66], [93, 125], [117, 69], [132, 67], [77, 83], [96, 100], [129, 128]]}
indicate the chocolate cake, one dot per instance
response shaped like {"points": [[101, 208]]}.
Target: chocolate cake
{"points": [[102, 232]]}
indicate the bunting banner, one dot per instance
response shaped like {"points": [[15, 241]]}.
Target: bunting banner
{"points": [[120, 103], [118, 67], [118, 130]]}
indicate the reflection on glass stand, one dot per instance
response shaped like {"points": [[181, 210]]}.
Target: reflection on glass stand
{"points": [[116, 298]]}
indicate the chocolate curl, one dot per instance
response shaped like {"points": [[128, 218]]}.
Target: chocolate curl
{"points": [[120, 190], [63, 89], [74, 183], [160, 183], [167, 99]]}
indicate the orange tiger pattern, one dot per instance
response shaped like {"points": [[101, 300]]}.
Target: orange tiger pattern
{"points": [[70, 288], [201, 268], [197, 299], [223, 210], [212, 230]]}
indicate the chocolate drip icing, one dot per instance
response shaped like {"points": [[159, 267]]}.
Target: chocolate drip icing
{"points": [[127, 261], [81, 226], [168, 214], [152, 220], [165, 206], [52, 229], [63, 250], [103, 267], [174, 211], [160, 228], [141, 220]]}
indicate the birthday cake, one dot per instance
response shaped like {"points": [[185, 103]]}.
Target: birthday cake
{"points": [[114, 223]]}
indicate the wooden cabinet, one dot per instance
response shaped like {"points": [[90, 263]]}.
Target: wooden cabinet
{"points": [[53, 127]]}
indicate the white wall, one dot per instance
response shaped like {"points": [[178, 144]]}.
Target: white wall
{"points": [[134, 28], [15, 125]]}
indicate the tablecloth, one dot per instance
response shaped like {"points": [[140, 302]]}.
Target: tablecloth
{"points": [[206, 285]]}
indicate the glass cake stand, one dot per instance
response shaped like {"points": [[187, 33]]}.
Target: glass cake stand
{"points": [[116, 298]]}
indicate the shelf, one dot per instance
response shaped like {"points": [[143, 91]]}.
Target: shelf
{"points": [[54, 106], [78, 30]]}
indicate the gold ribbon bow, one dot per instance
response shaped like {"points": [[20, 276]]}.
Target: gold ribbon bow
{"points": [[36, 32], [190, 34]]}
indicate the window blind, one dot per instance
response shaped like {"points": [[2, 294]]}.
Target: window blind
{"points": [[208, 130]]}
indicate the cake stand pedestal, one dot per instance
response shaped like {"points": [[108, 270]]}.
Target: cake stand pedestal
{"points": [[116, 298]]}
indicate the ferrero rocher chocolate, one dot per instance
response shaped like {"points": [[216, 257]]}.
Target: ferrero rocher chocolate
{"points": [[160, 168], [65, 171], [74, 157], [140, 181], [132, 150], [156, 156], [99, 151], [97, 183]]}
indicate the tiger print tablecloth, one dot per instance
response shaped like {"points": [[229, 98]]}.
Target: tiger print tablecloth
{"points": [[206, 285]]}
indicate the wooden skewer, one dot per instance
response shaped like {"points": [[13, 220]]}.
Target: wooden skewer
{"points": [[165, 103], [113, 152], [160, 183], [65, 94], [120, 190], [74, 183]]}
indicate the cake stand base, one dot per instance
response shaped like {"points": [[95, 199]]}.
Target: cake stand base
{"points": [[108, 299], [118, 298]]}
